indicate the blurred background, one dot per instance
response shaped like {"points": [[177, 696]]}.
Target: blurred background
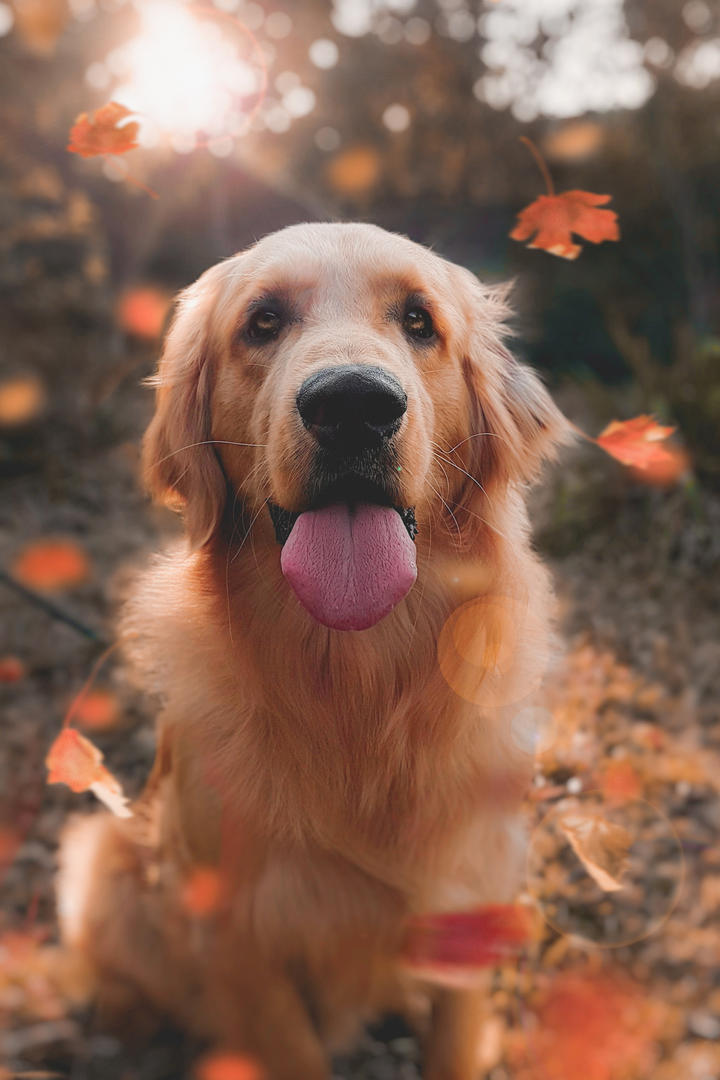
{"points": [[407, 113]]}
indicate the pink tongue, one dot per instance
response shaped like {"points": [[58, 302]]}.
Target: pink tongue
{"points": [[349, 567]]}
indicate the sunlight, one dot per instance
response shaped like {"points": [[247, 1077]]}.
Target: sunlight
{"points": [[183, 74]]}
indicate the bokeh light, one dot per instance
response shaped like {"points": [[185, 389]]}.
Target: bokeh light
{"points": [[184, 73]]}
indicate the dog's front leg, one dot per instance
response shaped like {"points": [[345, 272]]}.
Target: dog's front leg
{"points": [[452, 1046]]}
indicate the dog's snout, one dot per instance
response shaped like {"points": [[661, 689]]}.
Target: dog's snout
{"points": [[351, 408]]}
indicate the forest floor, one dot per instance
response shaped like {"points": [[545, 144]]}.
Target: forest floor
{"points": [[620, 984]]}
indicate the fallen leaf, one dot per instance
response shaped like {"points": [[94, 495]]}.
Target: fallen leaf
{"points": [[202, 891], [75, 761], [142, 311], [100, 134], [21, 400], [638, 443], [601, 846], [96, 710], [221, 1066], [553, 218], [52, 564], [458, 941], [12, 669]]}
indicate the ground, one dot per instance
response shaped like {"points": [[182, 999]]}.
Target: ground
{"points": [[634, 720]]}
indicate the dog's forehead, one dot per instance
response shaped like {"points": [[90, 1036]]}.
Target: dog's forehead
{"points": [[331, 262]]}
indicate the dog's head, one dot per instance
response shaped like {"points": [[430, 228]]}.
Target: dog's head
{"points": [[353, 386]]}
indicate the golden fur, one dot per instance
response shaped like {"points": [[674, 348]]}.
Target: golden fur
{"points": [[341, 781]]}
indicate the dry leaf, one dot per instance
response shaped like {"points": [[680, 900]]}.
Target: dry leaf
{"points": [[601, 846], [639, 443], [52, 564], [75, 761], [100, 134], [553, 218]]}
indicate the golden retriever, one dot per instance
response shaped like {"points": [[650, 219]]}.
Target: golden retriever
{"points": [[341, 648]]}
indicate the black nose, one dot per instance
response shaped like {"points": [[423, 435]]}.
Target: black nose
{"points": [[351, 408]]}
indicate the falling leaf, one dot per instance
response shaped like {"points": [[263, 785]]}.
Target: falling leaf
{"points": [[620, 782], [100, 134], [553, 219], [601, 846], [12, 669], [639, 443], [73, 760], [21, 400], [52, 564], [96, 710], [203, 891], [226, 1066], [458, 941], [142, 311]]}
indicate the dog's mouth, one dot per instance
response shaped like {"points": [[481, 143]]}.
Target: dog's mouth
{"points": [[350, 557]]}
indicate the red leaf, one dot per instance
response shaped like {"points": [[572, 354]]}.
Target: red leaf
{"points": [[461, 940], [100, 134], [639, 443], [553, 218], [220, 1066], [75, 761], [52, 564]]}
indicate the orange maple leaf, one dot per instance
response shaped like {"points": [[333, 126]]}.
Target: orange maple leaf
{"points": [[638, 443], [553, 218], [100, 134], [74, 760], [52, 564]]}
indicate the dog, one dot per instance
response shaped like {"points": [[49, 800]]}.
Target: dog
{"points": [[341, 649]]}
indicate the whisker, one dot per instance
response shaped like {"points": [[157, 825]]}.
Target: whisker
{"points": [[467, 510], [256, 515], [477, 435], [205, 442]]}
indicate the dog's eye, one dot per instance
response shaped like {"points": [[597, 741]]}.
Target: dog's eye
{"points": [[264, 325], [418, 324]]}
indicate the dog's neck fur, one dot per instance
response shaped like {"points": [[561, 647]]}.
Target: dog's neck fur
{"points": [[302, 759]]}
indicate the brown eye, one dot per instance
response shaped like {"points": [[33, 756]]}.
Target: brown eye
{"points": [[418, 324], [264, 325]]}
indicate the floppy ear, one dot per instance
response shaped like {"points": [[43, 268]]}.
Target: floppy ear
{"points": [[180, 468], [518, 424]]}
